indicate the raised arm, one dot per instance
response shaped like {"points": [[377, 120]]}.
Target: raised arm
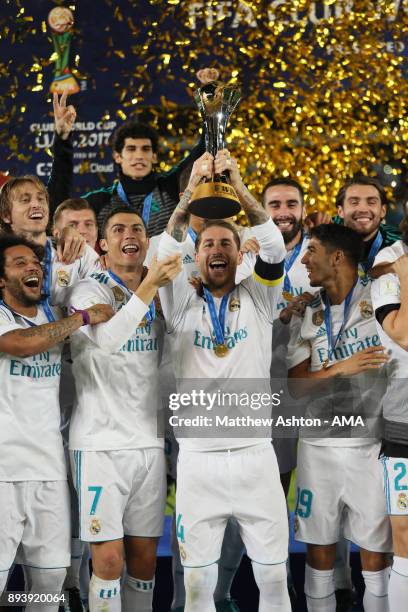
{"points": [[178, 223], [390, 299], [60, 182]]}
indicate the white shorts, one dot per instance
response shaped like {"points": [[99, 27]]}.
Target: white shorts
{"points": [[396, 485], [215, 486], [341, 487], [120, 493], [35, 519]]}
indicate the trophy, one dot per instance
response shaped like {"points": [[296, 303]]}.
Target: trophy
{"points": [[215, 199], [61, 20]]}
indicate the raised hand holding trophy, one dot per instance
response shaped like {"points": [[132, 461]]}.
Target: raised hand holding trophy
{"points": [[215, 198]]}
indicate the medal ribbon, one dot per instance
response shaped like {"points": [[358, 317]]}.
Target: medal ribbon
{"points": [[20, 316], [328, 322], [147, 203], [151, 315], [192, 234], [218, 321], [47, 282], [289, 263], [375, 247]]}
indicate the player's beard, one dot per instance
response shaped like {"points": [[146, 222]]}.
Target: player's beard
{"points": [[290, 234], [20, 293]]}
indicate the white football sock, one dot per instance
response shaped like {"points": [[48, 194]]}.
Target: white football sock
{"points": [[319, 590]]}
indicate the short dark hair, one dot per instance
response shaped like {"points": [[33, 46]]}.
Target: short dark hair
{"points": [[284, 180], [218, 223], [134, 129], [71, 204], [334, 236], [361, 179], [6, 192], [116, 210], [8, 241]]}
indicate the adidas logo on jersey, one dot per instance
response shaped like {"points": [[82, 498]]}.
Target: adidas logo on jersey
{"points": [[101, 277], [188, 259]]}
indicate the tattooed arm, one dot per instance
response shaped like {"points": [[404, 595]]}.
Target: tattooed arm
{"points": [[179, 220], [178, 223], [34, 340]]}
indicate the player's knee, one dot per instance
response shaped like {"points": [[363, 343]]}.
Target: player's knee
{"points": [[3, 581], [47, 580], [267, 574], [200, 579], [321, 557], [108, 563], [373, 561]]}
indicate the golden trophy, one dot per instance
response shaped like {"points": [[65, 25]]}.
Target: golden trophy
{"points": [[215, 199]]}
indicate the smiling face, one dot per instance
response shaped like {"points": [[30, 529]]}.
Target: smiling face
{"points": [[217, 257], [84, 221], [28, 209], [136, 158], [284, 205], [362, 210], [125, 241], [22, 278], [319, 262]]}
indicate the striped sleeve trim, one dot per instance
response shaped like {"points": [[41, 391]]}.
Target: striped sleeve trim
{"points": [[269, 271], [268, 283]]}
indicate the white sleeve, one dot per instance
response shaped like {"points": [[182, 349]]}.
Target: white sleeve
{"points": [[265, 283], [389, 254], [272, 246], [89, 262], [112, 335], [385, 291], [7, 321], [298, 349], [246, 268], [174, 296]]}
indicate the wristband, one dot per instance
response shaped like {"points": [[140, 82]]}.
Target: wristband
{"points": [[85, 315]]}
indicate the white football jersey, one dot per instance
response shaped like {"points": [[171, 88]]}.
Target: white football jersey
{"points": [[64, 276], [391, 253], [30, 440], [248, 336], [117, 388], [359, 394], [298, 278]]}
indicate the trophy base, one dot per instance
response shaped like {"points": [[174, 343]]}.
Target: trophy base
{"points": [[214, 200]]}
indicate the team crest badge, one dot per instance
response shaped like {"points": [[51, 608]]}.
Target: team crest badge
{"points": [[402, 501], [366, 309], [63, 278], [95, 526], [234, 304], [183, 553], [118, 294], [318, 318]]}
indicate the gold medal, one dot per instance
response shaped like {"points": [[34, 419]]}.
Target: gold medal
{"points": [[221, 350], [143, 322], [287, 296]]}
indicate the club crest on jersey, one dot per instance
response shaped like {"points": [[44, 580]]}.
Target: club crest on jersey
{"points": [[95, 526], [402, 501], [366, 309], [63, 278], [234, 304], [318, 318], [183, 553], [118, 294]]}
